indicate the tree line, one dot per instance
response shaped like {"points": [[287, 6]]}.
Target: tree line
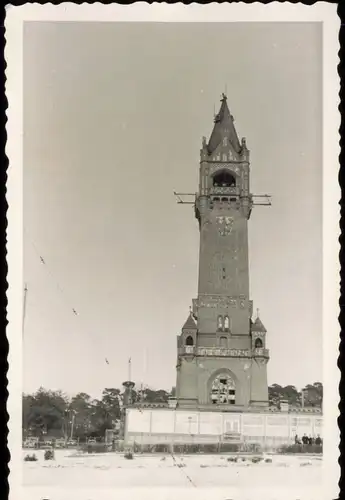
{"points": [[54, 414]]}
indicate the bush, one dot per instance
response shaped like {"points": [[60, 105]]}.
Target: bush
{"points": [[232, 459], [230, 447], [301, 448], [128, 455], [268, 460], [95, 448], [256, 460], [30, 458], [49, 455], [251, 447]]}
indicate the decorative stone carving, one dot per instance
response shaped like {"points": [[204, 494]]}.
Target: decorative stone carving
{"points": [[223, 190], [213, 351], [225, 225], [214, 301], [220, 166]]}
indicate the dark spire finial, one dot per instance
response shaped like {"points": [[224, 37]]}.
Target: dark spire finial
{"points": [[224, 98]]}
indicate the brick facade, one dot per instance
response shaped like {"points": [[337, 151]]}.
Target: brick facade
{"points": [[231, 372]]}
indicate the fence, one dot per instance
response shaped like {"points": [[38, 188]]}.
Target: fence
{"points": [[178, 427]]}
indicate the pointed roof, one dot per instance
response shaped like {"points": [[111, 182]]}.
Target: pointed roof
{"points": [[190, 323], [258, 326], [223, 127]]}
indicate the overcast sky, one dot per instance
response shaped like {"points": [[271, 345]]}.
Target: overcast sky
{"points": [[113, 119]]}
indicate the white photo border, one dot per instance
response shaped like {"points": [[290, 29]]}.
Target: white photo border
{"points": [[322, 12]]}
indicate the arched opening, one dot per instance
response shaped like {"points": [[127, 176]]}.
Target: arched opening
{"points": [[223, 390], [226, 323], [216, 199], [220, 323], [223, 342], [224, 199], [224, 178], [258, 343], [189, 340]]}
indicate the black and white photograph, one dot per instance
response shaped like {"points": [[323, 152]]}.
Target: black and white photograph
{"points": [[176, 304]]}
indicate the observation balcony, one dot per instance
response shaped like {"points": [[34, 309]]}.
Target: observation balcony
{"points": [[188, 350], [224, 190]]}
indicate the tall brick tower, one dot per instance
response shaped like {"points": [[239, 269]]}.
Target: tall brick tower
{"points": [[222, 355]]}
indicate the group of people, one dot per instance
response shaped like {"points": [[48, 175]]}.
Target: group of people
{"points": [[308, 440]]}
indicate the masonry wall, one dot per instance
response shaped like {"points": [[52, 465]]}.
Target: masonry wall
{"points": [[169, 426]]}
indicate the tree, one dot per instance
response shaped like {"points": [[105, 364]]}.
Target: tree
{"points": [[80, 409], [43, 412], [313, 394], [275, 394], [100, 418], [159, 396], [112, 401]]}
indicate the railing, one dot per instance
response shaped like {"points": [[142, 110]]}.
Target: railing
{"points": [[261, 352], [224, 190], [221, 352], [187, 349], [218, 351]]}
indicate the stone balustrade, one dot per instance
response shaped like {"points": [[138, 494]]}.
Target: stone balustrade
{"points": [[222, 352], [226, 190]]}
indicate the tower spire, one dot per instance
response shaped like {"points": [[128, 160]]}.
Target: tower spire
{"points": [[223, 127]]}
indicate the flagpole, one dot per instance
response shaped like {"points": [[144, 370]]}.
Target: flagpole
{"points": [[129, 370], [24, 308]]}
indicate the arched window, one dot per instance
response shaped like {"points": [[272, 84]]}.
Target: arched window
{"points": [[220, 323], [258, 343], [216, 199], [226, 323], [223, 342], [223, 390], [224, 178], [189, 340], [224, 199]]}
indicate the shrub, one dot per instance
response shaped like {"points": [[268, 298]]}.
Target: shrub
{"points": [[251, 447], [256, 460], [49, 455], [268, 460], [230, 447], [128, 455], [300, 448], [161, 448], [95, 448], [30, 458], [232, 459]]}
